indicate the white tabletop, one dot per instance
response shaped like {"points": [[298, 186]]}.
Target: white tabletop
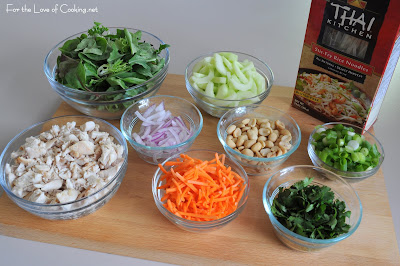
{"points": [[271, 30]]}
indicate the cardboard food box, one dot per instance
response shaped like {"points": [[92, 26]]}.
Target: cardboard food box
{"points": [[350, 51]]}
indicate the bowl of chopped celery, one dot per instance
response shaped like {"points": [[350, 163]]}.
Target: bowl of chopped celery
{"points": [[220, 81], [345, 149], [102, 71], [161, 126], [311, 208]]}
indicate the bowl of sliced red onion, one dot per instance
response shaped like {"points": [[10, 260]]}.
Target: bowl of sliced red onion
{"points": [[161, 126]]}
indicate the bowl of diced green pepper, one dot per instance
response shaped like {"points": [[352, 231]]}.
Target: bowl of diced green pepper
{"points": [[346, 150]]}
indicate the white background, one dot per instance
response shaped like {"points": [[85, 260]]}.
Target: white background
{"points": [[271, 30]]}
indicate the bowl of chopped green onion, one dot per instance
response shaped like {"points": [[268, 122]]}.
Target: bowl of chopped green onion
{"points": [[311, 208], [102, 71], [346, 150]]}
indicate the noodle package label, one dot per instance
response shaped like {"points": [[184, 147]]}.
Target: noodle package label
{"points": [[350, 51]]}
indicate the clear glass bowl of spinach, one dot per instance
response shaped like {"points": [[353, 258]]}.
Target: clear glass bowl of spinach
{"points": [[313, 213], [103, 71]]}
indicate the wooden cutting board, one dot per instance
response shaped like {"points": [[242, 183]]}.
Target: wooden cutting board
{"points": [[131, 225]]}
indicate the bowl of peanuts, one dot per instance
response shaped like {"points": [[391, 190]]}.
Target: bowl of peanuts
{"points": [[259, 138]]}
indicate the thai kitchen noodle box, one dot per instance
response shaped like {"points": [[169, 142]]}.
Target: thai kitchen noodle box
{"points": [[350, 51]]}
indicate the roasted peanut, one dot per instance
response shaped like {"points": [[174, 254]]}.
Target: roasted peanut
{"points": [[279, 124], [245, 129], [231, 144], [241, 125], [263, 120], [245, 121], [276, 150], [262, 138], [272, 124], [240, 148], [272, 137], [252, 135], [253, 122], [284, 145], [262, 144], [256, 147], [230, 129], [286, 138], [264, 131], [253, 162], [283, 150], [265, 125], [241, 139], [269, 144], [237, 132], [264, 152], [285, 132], [248, 152], [249, 143]]}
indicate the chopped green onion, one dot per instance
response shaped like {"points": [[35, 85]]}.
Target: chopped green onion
{"points": [[342, 148], [355, 157], [343, 164], [340, 142], [324, 155], [334, 148], [338, 127], [364, 151], [358, 138]]}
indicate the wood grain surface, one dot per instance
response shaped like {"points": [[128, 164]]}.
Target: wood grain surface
{"points": [[131, 225]]}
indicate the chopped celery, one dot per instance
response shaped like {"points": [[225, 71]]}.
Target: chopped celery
{"points": [[237, 80]]}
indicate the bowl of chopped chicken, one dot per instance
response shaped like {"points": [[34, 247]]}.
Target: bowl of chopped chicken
{"points": [[65, 167]]}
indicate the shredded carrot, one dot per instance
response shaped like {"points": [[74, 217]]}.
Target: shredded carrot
{"points": [[201, 190]]}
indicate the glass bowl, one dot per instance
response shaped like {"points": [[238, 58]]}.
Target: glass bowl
{"points": [[255, 165], [77, 208], [103, 104], [342, 190], [199, 226], [350, 176], [217, 107], [189, 113]]}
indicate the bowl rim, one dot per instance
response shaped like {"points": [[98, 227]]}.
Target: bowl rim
{"points": [[346, 174], [274, 221], [200, 224], [31, 203], [272, 159], [136, 144], [268, 87], [50, 76]]}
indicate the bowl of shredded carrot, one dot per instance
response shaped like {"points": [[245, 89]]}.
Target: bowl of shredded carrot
{"points": [[200, 190]]}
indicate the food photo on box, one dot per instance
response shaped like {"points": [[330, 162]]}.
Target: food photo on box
{"points": [[243, 130]]}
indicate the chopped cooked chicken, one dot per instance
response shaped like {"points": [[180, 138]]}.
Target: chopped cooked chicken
{"points": [[64, 164]]}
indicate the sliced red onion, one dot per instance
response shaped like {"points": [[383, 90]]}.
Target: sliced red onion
{"points": [[160, 107], [137, 138], [149, 110], [160, 128]]}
